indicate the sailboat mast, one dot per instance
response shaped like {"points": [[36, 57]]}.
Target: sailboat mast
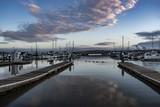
{"points": [[152, 42], [122, 43], [36, 51], [53, 45]]}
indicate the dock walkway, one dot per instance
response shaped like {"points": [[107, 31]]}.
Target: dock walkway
{"points": [[18, 81], [149, 75]]}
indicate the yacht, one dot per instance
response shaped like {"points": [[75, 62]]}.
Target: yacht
{"points": [[151, 56]]}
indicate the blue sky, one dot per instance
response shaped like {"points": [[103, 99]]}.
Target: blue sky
{"points": [[86, 22]]}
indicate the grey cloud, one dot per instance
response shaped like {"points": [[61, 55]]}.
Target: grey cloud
{"points": [[148, 44], [24, 36], [0, 31], [29, 35], [84, 16], [57, 38], [149, 35], [84, 46], [105, 43], [3, 42], [33, 8]]}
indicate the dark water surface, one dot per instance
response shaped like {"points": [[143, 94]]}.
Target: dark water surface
{"points": [[86, 84]]}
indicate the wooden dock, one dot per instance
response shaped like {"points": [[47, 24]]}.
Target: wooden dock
{"points": [[148, 75], [9, 84]]}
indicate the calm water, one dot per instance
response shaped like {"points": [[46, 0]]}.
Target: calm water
{"points": [[86, 84], [13, 70], [151, 65]]}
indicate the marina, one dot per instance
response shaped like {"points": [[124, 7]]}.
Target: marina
{"points": [[94, 84], [79, 53]]}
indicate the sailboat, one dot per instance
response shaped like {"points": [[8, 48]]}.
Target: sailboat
{"points": [[152, 55], [51, 56]]}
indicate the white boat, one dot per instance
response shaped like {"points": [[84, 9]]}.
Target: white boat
{"points": [[50, 59], [153, 55]]}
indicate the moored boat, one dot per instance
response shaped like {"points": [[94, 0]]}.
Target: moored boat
{"points": [[151, 56]]}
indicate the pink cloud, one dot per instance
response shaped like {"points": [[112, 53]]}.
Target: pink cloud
{"points": [[84, 16]]}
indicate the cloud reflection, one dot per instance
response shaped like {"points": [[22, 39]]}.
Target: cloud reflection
{"points": [[84, 91]]}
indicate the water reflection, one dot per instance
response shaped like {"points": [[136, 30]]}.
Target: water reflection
{"points": [[77, 91], [70, 69], [7, 99], [155, 88], [150, 65], [88, 84], [14, 69], [51, 62], [36, 63], [122, 73]]}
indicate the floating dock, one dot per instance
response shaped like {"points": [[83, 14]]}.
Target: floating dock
{"points": [[9, 84], [152, 60], [148, 75]]}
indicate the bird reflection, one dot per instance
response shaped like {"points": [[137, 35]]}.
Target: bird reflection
{"points": [[70, 68], [122, 73]]}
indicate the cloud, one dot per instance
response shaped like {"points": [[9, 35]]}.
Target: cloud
{"points": [[84, 46], [148, 35], [148, 44], [130, 4], [105, 43], [28, 35], [3, 42], [57, 38], [33, 8], [0, 31], [84, 16]]}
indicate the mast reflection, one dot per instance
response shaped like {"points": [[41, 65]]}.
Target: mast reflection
{"points": [[14, 69]]}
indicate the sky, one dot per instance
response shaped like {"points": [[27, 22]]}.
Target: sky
{"points": [[86, 23]]}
